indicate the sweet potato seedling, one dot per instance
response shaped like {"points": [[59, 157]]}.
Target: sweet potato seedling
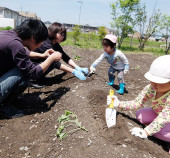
{"points": [[67, 120]]}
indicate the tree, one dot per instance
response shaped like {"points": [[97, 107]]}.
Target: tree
{"points": [[102, 32], [76, 33], [122, 11], [146, 30], [165, 26], [89, 37]]}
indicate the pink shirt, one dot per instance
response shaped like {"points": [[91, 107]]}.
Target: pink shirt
{"points": [[161, 106]]}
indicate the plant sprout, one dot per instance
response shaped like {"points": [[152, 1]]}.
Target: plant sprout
{"points": [[66, 120]]}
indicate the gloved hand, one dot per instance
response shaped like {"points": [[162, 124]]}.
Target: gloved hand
{"points": [[116, 102], [84, 70], [139, 132], [79, 74], [92, 69], [126, 71]]}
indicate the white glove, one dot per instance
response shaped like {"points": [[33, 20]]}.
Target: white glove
{"points": [[92, 69], [125, 71], [138, 132], [116, 102]]}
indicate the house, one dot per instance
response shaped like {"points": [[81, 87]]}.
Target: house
{"points": [[84, 28], [29, 15], [151, 38], [158, 38], [13, 18], [9, 17], [135, 35], [47, 23]]}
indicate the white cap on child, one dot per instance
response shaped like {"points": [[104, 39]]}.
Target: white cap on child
{"points": [[111, 37], [159, 71]]}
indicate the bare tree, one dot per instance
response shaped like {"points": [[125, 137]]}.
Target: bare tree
{"points": [[146, 30], [165, 26]]}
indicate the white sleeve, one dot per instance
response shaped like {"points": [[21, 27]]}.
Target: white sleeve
{"points": [[99, 60], [125, 61]]}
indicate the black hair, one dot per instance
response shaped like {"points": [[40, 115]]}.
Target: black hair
{"points": [[107, 42], [55, 28], [32, 28]]}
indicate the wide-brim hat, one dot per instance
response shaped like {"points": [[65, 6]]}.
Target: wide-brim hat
{"points": [[159, 71]]}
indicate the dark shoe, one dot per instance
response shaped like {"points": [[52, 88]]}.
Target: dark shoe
{"points": [[36, 85], [9, 111]]}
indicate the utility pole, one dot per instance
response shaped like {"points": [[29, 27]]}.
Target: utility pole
{"points": [[80, 10]]}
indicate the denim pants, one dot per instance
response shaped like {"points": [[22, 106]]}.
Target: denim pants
{"points": [[12, 82]]}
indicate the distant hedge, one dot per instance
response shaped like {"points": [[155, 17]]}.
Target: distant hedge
{"points": [[6, 28]]}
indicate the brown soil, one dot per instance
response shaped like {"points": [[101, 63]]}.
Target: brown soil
{"points": [[34, 135]]}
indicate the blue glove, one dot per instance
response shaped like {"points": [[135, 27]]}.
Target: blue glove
{"points": [[84, 70], [79, 74]]}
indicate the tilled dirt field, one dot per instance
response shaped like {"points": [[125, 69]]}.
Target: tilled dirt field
{"points": [[34, 135]]}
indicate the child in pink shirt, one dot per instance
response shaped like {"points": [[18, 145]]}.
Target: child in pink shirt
{"points": [[156, 118]]}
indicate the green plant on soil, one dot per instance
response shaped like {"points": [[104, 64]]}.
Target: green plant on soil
{"points": [[77, 57], [67, 120], [136, 68]]}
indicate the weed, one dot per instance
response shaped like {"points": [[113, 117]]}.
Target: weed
{"points": [[136, 68]]}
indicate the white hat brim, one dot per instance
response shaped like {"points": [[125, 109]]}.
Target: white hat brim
{"points": [[155, 79]]}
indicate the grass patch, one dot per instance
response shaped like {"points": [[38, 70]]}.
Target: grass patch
{"points": [[86, 40]]}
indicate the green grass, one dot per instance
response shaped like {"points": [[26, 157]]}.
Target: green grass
{"points": [[86, 41]]}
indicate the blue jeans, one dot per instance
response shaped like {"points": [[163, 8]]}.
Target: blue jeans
{"points": [[11, 83]]}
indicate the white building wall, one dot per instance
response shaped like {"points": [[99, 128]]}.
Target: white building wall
{"points": [[12, 15], [15, 16], [1, 13], [4, 22]]}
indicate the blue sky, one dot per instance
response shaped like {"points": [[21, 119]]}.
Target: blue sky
{"points": [[93, 12]]}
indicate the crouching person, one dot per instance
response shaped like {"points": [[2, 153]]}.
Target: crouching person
{"points": [[16, 67], [155, 118]]}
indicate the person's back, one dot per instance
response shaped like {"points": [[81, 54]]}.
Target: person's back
{"points": [[31, 33], [9, 40], [16, 67]]}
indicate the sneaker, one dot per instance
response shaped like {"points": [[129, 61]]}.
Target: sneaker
{"points": [[36, 85], [9, 111]]}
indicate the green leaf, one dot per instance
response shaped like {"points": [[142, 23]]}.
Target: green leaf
{"points": [[83, 128], [67, 112], [60, 129], [58, 132], [69, 119], [63, 117], [62, 135]]}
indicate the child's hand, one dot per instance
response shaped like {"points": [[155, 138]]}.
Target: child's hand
{"points": [[116, 101], [139, 132]]}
